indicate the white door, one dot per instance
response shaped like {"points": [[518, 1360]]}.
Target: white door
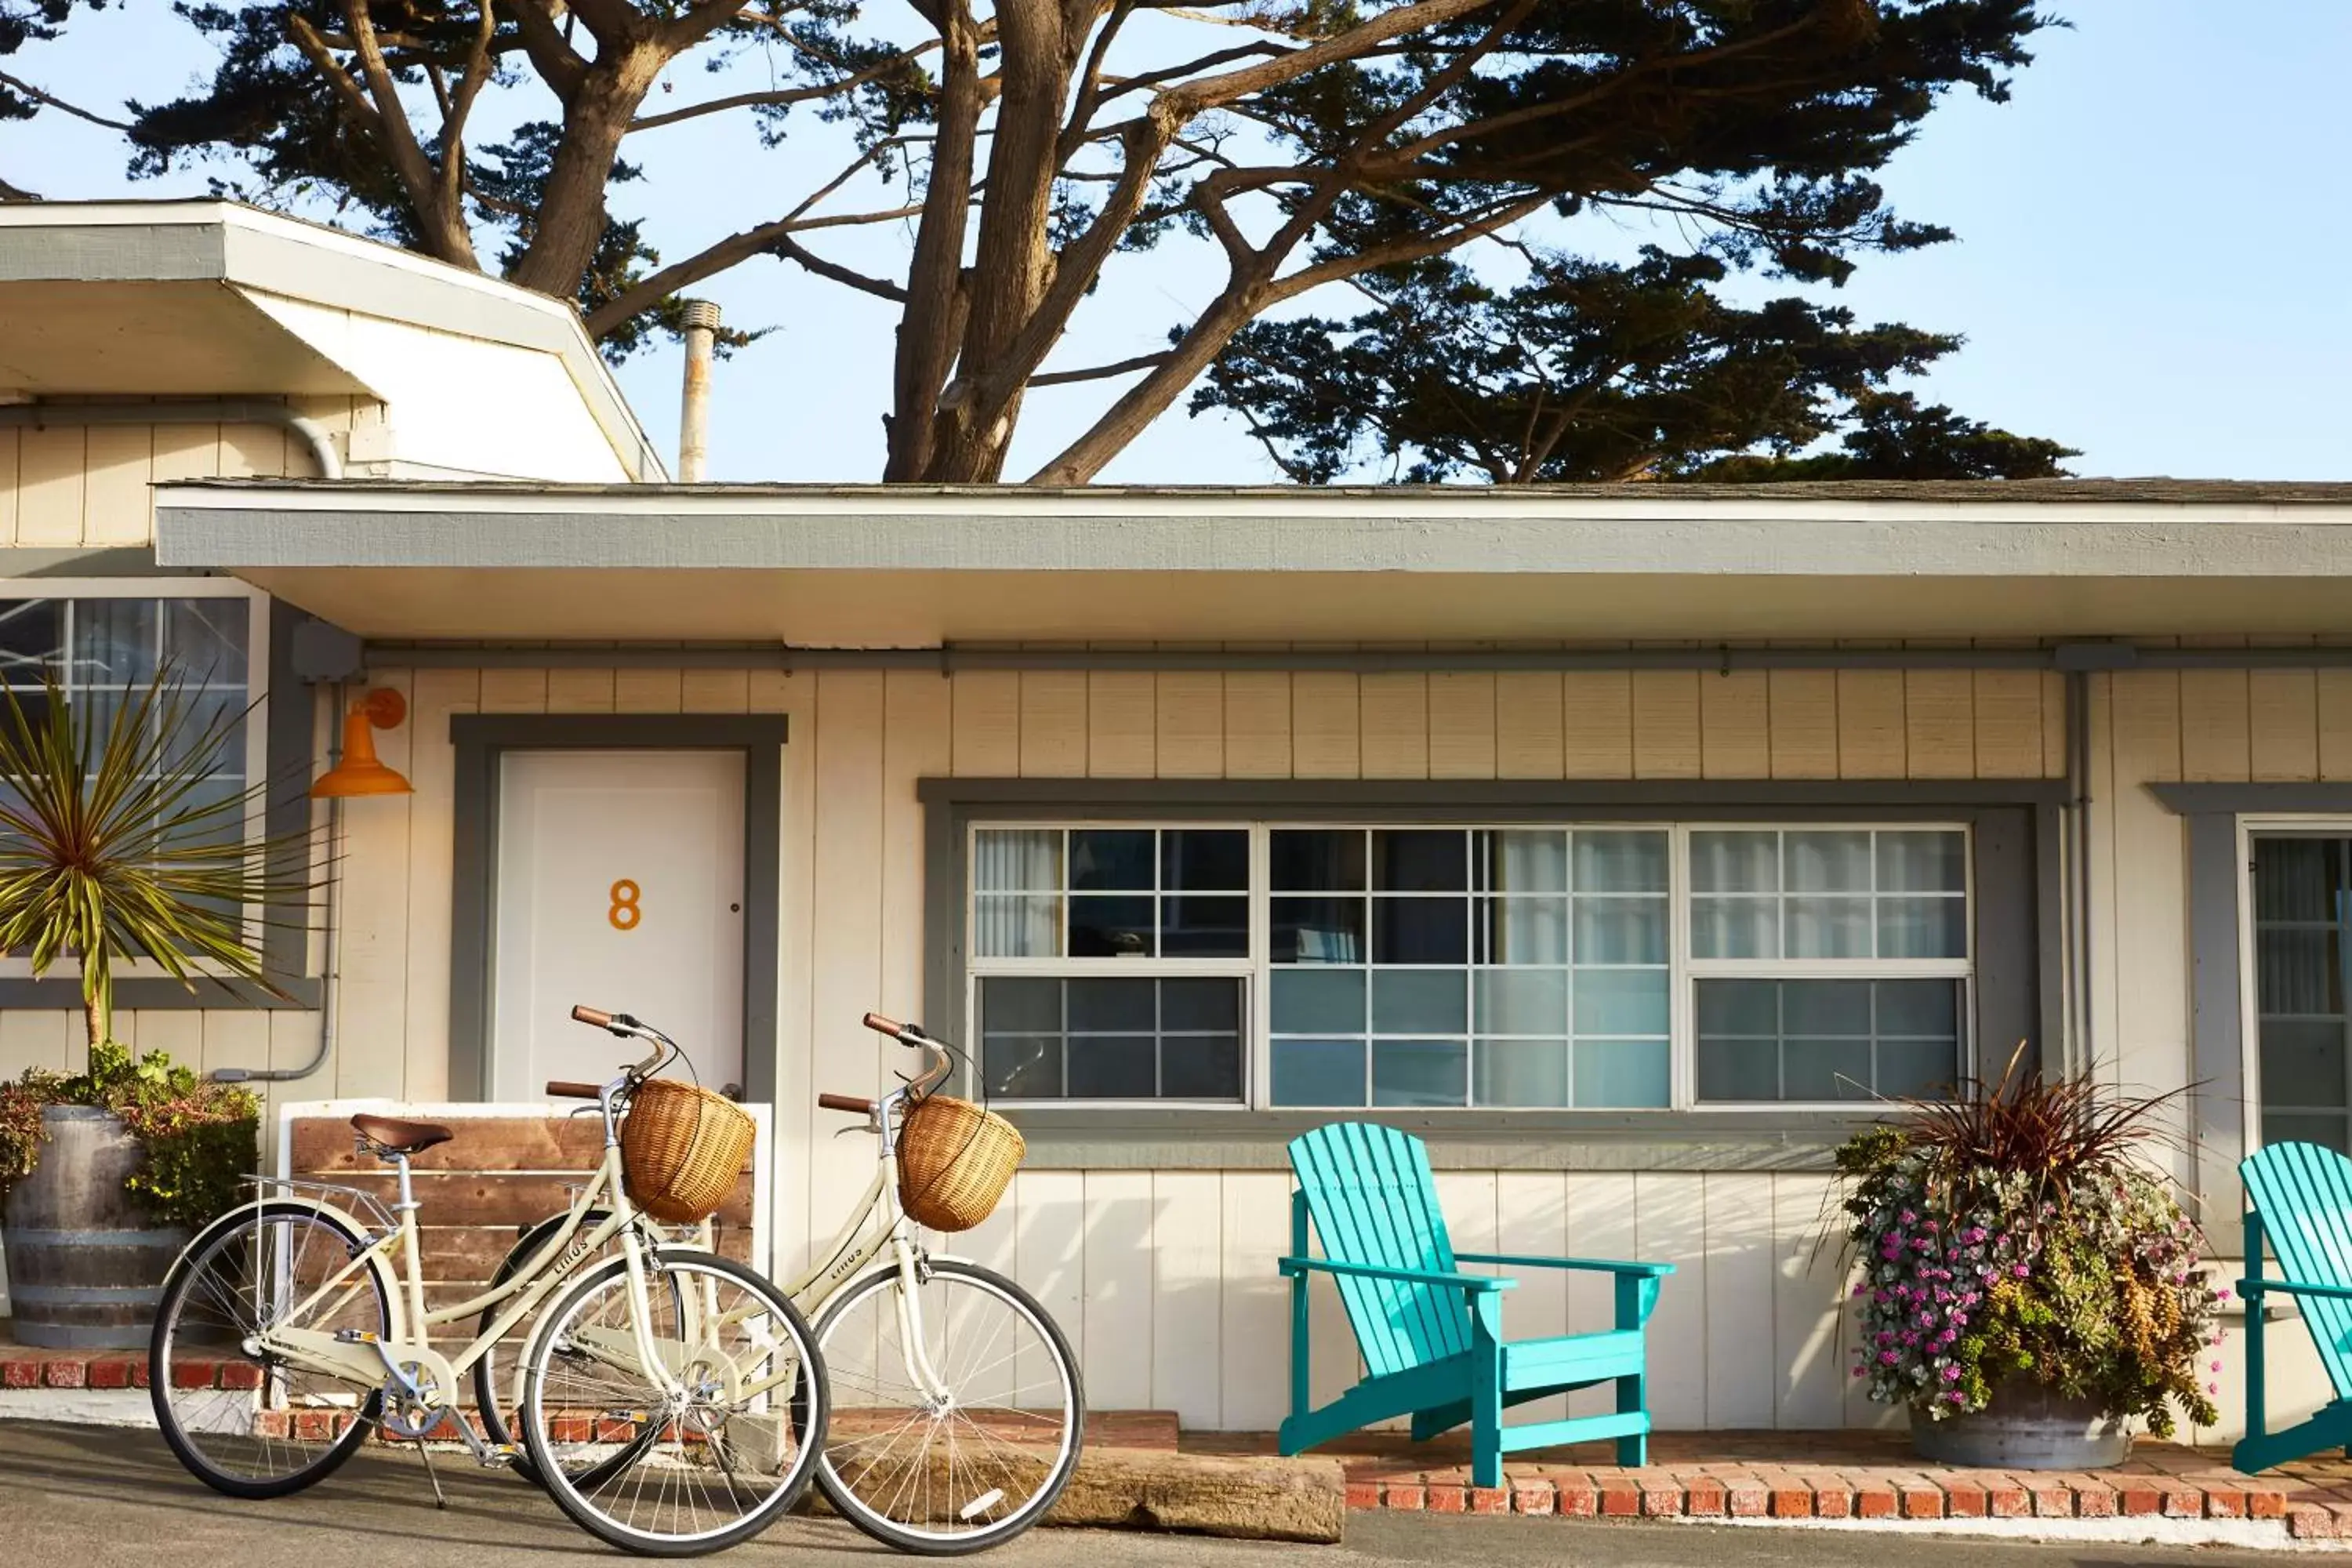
{"points": [[620, 884]]}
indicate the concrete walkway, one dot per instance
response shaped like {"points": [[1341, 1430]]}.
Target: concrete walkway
{"points": [[80, 1495]]}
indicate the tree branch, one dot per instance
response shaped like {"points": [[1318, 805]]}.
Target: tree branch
{"points": [[652, 288], [1101, 371], [558, 63], [1211, 92], [20, 85], [782, 96], [881, 289], [460, 107], [1340, 269]]}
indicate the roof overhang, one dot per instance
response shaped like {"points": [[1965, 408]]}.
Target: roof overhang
{"points": [[896, 566], [191, 298]]}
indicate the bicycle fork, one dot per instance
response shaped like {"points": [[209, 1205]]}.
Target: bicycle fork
{"points": [[919, 1370]]}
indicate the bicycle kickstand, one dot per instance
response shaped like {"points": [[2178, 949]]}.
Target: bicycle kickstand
{"points": [[423, 1452]]}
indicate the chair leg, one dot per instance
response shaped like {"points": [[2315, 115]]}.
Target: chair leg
{"points": [[1635, 1451]]}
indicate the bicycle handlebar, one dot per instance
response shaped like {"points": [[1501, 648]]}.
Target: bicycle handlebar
{"points": [[850, 1102], [567, 1088]]}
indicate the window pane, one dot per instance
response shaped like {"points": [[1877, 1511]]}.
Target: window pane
{"points": [[1621, 930], [1421, 930], [1520, 1073], [217, 714], [1420, 1072], [1213, 860], [1825, 862], [1200, 1066], [1620, 1001], [2289, 1127], [1734, 928], [1923, 928], [1210, 1005], [1020, 1006], [1620, 1073], [1522, 1001], [1827, 928], [1825, 1070], [1419, 1001], [1318, 930], [1929, 862], [1738, 1071], [1734, 862], [1111, 857], [116, 642], [1318, 1001], [1523, 930], [1522, 861], [2302, 1064], [1112, 926], [1739, 1007], [1017, 860], [1113, 1066], [2297, 879], [1099, 1006], [1022, 1066], [1421, 861], [1827, 1040], [2296, 969], [32, 639], [1011, 927], [1203, 928], [1319, 1072], [205, 639], [1316, 860], [1621, 862]]}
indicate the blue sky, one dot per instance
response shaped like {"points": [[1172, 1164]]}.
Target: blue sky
{"points": [[2151, 237]]}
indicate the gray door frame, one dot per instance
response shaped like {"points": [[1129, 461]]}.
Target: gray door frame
{"points": [[483, 740]]}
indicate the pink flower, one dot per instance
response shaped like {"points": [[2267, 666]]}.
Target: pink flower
{"points": [[1889, 1358], [2216, 1367], [2213, 1388], [2019, 1270], [2220, 1295]]}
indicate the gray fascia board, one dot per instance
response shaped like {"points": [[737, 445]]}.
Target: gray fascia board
{"points": [[114, 253], [2249, 799], [1389, 796]]}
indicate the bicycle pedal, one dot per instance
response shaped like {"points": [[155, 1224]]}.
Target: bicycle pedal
{"points": [[501, 1457]]}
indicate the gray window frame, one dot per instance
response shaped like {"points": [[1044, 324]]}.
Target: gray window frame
{"points": [[283, 708], [2013, 823]]}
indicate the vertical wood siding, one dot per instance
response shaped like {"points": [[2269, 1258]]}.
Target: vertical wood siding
{"points": [[1165, 1281]]}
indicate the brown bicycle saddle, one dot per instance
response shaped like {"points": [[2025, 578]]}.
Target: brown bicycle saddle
{"points": [[394, 1136]]}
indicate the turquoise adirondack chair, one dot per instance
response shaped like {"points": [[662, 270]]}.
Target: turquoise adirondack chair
{"points": [[1432, 1337], [2299, 1198]]}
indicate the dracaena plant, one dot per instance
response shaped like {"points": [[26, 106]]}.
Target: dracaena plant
{"points": [[115, 846]]}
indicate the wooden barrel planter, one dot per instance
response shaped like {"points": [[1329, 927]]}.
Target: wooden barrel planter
{"points": [[85, 1265]]}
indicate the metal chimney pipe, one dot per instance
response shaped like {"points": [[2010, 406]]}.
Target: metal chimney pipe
{"points": [[701, 318]]}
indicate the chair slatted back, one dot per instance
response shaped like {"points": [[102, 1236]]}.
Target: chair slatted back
{"points": [[1373, 1201], [2303, 1193]]}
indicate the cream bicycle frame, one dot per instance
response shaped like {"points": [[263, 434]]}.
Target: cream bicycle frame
{"points": [[408, 1323]]}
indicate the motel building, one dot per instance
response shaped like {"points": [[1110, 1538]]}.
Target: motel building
{"points": [[1634, 845]]}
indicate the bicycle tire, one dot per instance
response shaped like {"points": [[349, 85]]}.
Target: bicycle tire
{"points": [[897, 1535], [807, 1407], [178, 1286]]}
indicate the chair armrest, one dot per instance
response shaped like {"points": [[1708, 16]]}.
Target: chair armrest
{"points": [[1596, 1265], [2254, 1288], [1474, 1283]]}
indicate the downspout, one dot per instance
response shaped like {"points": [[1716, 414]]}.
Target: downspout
{"points": [[2078, 775], [330, 936], [71, 416]]}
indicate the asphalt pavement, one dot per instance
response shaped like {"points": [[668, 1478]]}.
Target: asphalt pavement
{"points": [[87, 1497]]}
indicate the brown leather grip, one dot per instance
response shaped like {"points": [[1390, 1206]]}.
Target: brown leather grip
{"points": [[596, 1017], [882, 1026], [850, 1102], [565, 1089]]}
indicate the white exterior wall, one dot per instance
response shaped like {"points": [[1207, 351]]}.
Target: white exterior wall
{"points": [[1158, 1275]]}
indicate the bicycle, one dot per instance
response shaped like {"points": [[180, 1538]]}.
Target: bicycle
{"points": [[648, 1413], [989, 1401]]}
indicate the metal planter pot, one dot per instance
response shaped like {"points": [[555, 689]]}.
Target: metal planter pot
{"points": [[2026, 1426], [85, 1267]]}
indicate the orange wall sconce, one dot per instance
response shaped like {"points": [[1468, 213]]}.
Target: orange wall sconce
{"points": [[359, 773]]}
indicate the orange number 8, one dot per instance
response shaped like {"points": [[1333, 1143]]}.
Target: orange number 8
{"points": [[624, 912]]}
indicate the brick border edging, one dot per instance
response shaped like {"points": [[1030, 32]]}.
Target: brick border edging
{"points": [[1901, 1495]]}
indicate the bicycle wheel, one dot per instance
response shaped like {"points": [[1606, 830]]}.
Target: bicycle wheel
{"points": [[496, 1403], [673, 1476], [978, 1457], [244, 1422]]}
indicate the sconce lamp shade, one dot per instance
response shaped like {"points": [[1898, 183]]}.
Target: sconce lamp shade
{"points": [[359, 773]]}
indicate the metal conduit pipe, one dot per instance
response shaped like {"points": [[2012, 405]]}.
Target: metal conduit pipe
{"points": [[70, 416], [2078, 846], [2071, 657]]}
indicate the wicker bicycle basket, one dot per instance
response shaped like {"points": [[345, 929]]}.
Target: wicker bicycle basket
{"points": [[955, 1160], [682, 1149]]}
